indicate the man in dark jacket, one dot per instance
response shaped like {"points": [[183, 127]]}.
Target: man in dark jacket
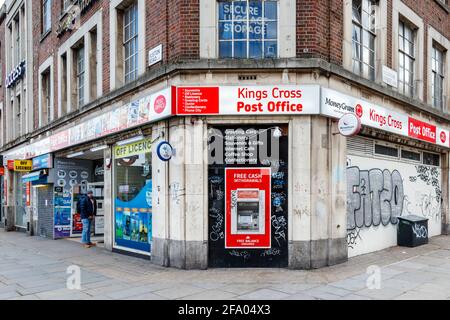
{"points": [[87, 213]]}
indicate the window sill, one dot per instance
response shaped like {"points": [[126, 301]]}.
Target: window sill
{"points": [[44, 35], [443, 6]]}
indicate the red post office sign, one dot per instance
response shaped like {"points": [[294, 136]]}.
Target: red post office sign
{"points": [[247, 208]]}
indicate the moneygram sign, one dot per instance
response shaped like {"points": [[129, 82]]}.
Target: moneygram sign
{"points": [[335, 104]]}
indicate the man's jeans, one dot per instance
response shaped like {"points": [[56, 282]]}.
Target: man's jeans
{"points": [[86, 234]]}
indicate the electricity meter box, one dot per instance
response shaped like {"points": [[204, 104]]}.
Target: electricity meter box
{"points": [[248, 208]]}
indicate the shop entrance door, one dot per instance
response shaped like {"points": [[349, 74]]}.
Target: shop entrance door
{"points": [[248, 196], [21, 203]]}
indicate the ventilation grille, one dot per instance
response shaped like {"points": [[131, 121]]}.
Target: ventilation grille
{"points": [[359, 146], [247, 77]]}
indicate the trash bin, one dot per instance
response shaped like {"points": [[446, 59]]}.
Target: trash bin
{"points": [[412, 231]]}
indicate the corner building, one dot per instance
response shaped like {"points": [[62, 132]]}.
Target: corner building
{"points": [[209, 129]]}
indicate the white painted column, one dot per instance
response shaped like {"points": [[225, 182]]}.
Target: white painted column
{"points": [[87, 67], [70, 85], [299, 192]]}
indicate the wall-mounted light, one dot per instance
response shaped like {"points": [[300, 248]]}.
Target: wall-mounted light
{"points": [[131, 140], [73, 155]]}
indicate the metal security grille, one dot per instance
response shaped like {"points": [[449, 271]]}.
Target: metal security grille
{"points": [[359, 146]]}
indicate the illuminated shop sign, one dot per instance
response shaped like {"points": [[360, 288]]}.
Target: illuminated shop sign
{"points": [[16, 75]]}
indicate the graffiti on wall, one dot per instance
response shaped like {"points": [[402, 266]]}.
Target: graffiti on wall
{"points": [[375, 197], [430, 202]]}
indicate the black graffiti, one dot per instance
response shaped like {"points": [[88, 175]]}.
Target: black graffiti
{"points": [[217, 228], [374, 197], [353, 236], [279, 224], [429, 175]]}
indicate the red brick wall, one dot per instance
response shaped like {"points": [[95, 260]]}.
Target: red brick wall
{"points": [[319, 29]]}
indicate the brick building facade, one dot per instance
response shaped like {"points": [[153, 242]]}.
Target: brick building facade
{"points": [[189, 72]]}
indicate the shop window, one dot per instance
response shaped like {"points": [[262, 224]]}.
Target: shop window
{"points": [[133, 196], [386, 151], [437, 79], [363, 38], [406, 59], [410, 155], [248, 29], [431, 159]]}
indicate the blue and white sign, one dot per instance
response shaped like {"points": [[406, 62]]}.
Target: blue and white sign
{"points": [[164, 151], [43, 162]]}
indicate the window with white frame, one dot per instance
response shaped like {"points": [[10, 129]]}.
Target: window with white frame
{"points": [[80, 72], [437, 80], [46, 15], [130, 42], [248, 29], [363, 38], [406, 59]]}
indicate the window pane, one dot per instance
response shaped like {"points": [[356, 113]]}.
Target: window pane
{"points": [[386, 151], [255, 10], [240, 10], [270, 49], [225, 11], [240, 49], [271, 30], [431, 159], [256, 49], [240, 30], [256, 30], [225, 30], [270, 10], [356, 10], [225, 49]]}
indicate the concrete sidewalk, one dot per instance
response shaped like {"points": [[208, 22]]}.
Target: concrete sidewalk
{"points": [[36, 268]]}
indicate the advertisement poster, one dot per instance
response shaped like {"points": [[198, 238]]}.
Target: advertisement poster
{"points": [[62, 213], [70, 175], [248, 208], [134, 221]]}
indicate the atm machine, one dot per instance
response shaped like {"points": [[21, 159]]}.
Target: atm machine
{"points": [[247, 213]]}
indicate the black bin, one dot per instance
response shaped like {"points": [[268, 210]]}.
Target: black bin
{"points": [[412, 231]]}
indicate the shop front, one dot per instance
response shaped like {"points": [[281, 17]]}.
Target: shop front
{"points": [[252, 176], [22, 196], [248, 196], [132, 185]]}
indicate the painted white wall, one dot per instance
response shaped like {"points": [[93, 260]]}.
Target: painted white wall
{"points": [[420, 199]]}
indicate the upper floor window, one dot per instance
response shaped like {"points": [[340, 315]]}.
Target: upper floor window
{"points": [[406, 59], [130, 42], [46, 15], [437, 79], [248, 29], [66, 4], [80, 75], [363, 38]]}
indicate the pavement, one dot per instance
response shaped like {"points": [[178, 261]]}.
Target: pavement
{"points": [[34, 268]]}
